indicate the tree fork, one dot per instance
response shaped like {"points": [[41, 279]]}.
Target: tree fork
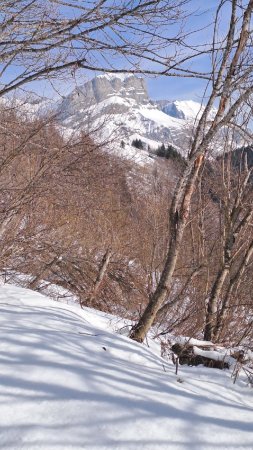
{"points": [[178, 224]]}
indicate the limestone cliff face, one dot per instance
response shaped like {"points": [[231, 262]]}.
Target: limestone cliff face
{"points": [[102, 88]]}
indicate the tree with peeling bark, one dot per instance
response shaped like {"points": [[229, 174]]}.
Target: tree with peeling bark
{"points": [[236, 213], [231, 88]]}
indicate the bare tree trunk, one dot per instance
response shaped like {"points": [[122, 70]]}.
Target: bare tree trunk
{"points": [[178, 223], [44, 271], [223, 82], [231, 233], [100, 277], [212, 305], [222, 315]]}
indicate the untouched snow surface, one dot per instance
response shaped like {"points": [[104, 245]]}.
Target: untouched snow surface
{"points": [[67, 381]]}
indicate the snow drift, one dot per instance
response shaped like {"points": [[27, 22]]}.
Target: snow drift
{"points": [[69, 381]]}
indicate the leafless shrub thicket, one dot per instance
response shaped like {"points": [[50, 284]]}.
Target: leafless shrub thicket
{"points": [[69, 213]]}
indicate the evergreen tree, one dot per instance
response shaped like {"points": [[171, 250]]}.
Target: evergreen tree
{"points": [[138, 144]]}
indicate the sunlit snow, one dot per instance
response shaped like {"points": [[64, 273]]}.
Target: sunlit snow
{"points": [[69, 381]]}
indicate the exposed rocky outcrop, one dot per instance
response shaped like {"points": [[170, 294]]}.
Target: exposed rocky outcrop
{"points": [[103, 88]]}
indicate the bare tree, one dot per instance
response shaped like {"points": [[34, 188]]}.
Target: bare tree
{"points": [[43, 38], [236, 212], [231, 87]]}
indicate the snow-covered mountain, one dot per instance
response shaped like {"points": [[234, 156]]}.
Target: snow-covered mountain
{"points": [[181, 109], [120, 106]]}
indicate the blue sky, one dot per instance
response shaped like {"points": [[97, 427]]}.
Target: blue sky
{"points": [[201, 13], [175, 88], [160, 87]]}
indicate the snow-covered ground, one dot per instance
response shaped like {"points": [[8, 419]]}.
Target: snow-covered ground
{"points": [[69, 381]]}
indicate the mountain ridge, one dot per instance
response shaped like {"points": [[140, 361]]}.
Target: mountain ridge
{"points": [[123, 104]]}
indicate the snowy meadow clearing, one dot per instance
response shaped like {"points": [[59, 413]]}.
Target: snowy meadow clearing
{"points": [[69, 381]]}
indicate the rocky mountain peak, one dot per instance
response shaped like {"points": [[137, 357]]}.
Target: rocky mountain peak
{"points": [[107, 87], [119, 107]]}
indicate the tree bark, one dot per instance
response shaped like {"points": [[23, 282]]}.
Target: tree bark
{"points": [[46, 268], [212, 305], [100, 277], [178, 221], [222, 315]]}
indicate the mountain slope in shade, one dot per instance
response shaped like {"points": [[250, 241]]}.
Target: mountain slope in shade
{"points": [[67, 380]]}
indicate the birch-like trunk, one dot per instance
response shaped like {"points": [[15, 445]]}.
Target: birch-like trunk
{"points": [[100, 277], [212, 305], [178, 224], [223, 313], [223, 86]]}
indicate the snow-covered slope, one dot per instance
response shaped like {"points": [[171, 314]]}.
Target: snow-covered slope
{"points": [[67, 380], [185, 109], [119, 107], [30, 106]]}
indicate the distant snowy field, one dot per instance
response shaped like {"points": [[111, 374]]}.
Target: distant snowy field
{"points": [[69, 381]]}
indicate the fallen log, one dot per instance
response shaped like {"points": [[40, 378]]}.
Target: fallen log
{"points": [[192, 355]]}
